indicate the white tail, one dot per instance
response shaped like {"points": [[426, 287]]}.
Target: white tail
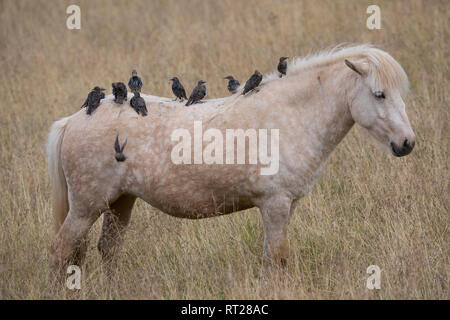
{"points": [[55, 172]]}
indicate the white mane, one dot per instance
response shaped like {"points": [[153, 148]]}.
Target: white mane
{"points": [[385, 70]]}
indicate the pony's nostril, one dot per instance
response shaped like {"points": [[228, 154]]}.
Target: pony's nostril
{"points": [[405, 143], [408, 144], [404, 149]]}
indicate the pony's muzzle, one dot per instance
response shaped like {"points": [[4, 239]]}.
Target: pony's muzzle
{"points": [[404, 149]]}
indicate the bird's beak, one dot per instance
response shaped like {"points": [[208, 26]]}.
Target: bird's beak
{"points": [[102, 89]]}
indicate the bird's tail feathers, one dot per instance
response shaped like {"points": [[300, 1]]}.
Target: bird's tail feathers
{"points": [[123, 146]]}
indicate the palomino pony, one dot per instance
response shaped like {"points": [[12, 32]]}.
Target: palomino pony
{"points": [[312, 109]]}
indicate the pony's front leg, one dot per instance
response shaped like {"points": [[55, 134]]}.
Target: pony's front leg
{"points": [[276, 212]]}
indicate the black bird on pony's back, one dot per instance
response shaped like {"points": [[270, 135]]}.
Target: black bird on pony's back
{"points": [[93, 100], [138, 104], [253, 82], [198, 93], [233, 84], [282, 66], [120, 157], [119, 91], [135, 83], [178, 89]]}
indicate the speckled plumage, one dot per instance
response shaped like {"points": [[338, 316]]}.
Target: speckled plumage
{"points": [[93, 100], [198, 93], [282, 66], [135, 83], [120, 157], [233, 84], [253, 82], [138, 104], [119, 91], [178, 89]]}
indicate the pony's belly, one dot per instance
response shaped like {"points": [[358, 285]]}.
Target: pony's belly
{"points": [[199, 207]]}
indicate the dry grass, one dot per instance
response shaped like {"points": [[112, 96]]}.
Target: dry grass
{"points": [[368, 207]]}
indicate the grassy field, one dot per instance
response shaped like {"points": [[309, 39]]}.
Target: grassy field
{"points": [[367, 208]]}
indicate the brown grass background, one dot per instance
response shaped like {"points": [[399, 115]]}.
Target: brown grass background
{"points": [[367, 208]]}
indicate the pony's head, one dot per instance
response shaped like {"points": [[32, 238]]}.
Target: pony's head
{"points": [[377, 105]]}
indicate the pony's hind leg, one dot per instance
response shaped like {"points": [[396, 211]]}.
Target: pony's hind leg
{"points": [[69, 245], [115, 221]]}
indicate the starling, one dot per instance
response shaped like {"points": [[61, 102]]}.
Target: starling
{"points": [[178, 89], [198, 93], [120, 157], [282, 66], [119, 91], [135, 82], [233, 84], [138, 104], [93, 99], [253, 82]]}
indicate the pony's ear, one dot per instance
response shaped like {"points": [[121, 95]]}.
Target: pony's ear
{"points": [[359, 69]]}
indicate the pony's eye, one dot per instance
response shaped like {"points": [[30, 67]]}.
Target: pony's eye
{"points": [[379, 95]]}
